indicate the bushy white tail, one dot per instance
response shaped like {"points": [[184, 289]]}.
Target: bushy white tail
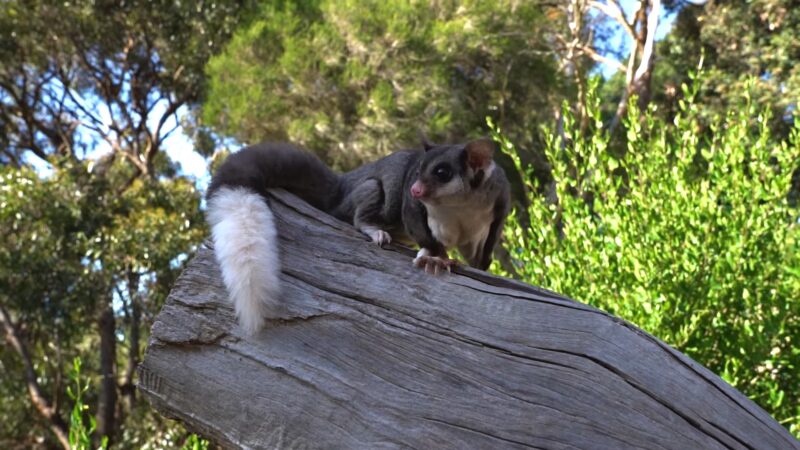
{"points": [[245, 243]]}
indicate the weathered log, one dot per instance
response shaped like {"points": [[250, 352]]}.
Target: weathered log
{"points": [[373, 353]]}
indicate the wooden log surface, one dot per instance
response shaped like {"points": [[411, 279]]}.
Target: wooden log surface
{"points": [[373, 353]]}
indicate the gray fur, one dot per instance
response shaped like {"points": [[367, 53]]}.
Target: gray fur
{"points": [[376, 196]]}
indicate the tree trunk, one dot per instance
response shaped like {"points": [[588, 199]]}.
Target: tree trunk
{"points": [[134, 319], [107, 398], [643, 45], [373, 353]]}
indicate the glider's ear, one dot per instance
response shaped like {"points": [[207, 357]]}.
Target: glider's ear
{"points": [[426, 144], [480, 153]]}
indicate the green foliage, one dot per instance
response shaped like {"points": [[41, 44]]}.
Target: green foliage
{"points": [[45, 236], [356, 79], [104, 235], [195, 443], [67, 244], [739, 42], [80, 432], [691, 238], [66, 237]]}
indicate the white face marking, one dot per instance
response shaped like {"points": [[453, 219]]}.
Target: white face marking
{"points": [[457, 189], [453, 187]]}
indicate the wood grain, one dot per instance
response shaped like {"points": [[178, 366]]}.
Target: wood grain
{"points": [[372, 353]]}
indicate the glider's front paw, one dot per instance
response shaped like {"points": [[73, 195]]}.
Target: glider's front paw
{"points": [[380, 237], [434, 264]]}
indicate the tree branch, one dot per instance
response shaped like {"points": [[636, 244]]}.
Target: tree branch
{"points": [[157, 137], [12, 158], [354, 352], [24, 113], [591, 53], [614, 10], [40, 402]]}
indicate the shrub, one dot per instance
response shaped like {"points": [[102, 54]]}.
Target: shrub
{"points": [[689, 235]]}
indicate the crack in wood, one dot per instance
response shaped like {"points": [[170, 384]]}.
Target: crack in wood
{"points": [[490, 435], [636, 385], [561, 302]]}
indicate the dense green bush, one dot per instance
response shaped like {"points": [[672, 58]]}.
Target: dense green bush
{"points": [[690, 235]]}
